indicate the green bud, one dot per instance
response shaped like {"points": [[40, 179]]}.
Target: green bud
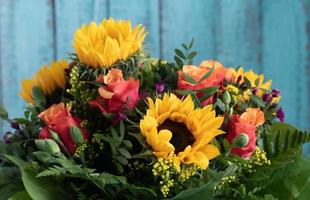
{"points": [[52, 147], [41, 145], [42, 156], [55, 136], [241, 140], [226, 97], [76, 135]]}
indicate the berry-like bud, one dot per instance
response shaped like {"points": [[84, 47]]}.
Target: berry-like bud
{"points": [[241, 140]]}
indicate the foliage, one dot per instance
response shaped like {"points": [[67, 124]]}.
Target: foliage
{"points": [[147, 128]]}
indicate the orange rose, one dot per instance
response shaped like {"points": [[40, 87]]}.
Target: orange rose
{"points": [[215, 79], [117, 93], [59, 120], [253, 116]]}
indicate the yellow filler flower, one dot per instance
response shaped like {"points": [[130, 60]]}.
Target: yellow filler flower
{"points": [[103, 44], [48, 78], [176, 130]]}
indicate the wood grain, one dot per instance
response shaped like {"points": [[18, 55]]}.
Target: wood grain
{"points": [[272, 37], [26, 44]]}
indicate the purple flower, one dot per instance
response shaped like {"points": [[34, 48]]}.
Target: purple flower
{"points": [[144, 95], [280, 115], [160, 87], [267, 97], [275, 92], [254, 91], [15, 125], [7, 137], [118, 117], [239, 79]]}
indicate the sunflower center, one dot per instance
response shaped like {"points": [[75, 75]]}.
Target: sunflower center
{"points": [[181, 136]]}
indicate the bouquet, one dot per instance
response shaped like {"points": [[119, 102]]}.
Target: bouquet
{"points": [[115, 123]]}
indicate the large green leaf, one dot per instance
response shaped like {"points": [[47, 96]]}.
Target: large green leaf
{"points": [[23, 195], [282, 137], [290, 182], [38, 188], [203, 192]]}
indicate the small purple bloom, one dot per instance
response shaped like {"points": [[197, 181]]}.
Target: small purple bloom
{"points": [[144, 95], [254, 91], [239, 79], [267, 97], [160, 87], [280, 115], [7, 137], [118, 117], [275, 92], [15, 125]]}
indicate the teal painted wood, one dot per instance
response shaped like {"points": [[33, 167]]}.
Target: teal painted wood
{"points": [[272, 37], [238, 33], [181, 20], [140, 12], [26, 43], [69, 16], [285, 56]]}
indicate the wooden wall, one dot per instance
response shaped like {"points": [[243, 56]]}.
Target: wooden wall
{"points": [[270, 36]]}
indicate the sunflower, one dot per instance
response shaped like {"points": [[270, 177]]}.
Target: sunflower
{"points": [[104, 44], [48, 78], [175, 130], [255, 79]]}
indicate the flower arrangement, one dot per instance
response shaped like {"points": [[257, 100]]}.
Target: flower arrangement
{"points": [[114, 123]]}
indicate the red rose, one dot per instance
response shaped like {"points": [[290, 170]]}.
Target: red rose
{"points": [[117, 93], [237, 127], [59, 120], [196, 73]]}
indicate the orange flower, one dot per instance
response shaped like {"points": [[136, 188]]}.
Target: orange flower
{"points": [[58, 119], [196, 73], [54, 112], [253, 116], [113, 76], [117, 93]]}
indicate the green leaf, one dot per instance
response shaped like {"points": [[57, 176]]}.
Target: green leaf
{"points": [[191, 43], [38, 95], [3, 113], [180, 53], [226, 97], [257, 101], [184, 46], [297, 176], [122, 160], [192, 55], [206, 75], [76, 135], [219, 103], [178, 61], [38, 188], [124, 152], [106, 178], [23, 195], [189, 79], [42, 156], [185, 92], [206, 191], [208, 92]]}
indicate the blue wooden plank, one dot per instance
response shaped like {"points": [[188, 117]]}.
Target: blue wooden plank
{"points": [[70, 15], [285, 56], [26, 43], [238, 33], [182, 20], [140, 12]]}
